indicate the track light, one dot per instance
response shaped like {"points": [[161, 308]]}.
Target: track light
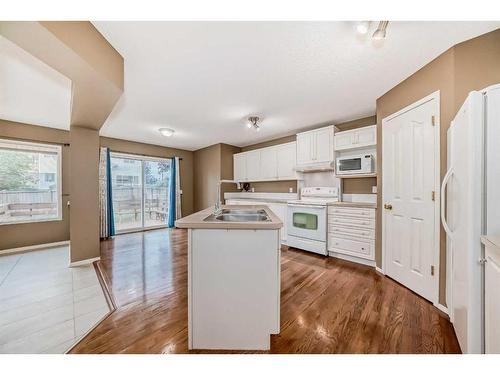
{"points": [[253, 122], [381, 31]]}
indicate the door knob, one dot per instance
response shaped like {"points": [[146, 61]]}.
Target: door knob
{"points": [[388, 206]]}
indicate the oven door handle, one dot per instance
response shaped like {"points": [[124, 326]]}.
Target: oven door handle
{"points": [[306, 206]]}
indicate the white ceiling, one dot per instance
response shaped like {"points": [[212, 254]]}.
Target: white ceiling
{"points": [[31, 91], [203, 78]]}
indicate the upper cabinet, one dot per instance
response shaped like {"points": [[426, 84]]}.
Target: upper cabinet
{"points": [[356, 138], [315, 146], [239, 167], [286, 155], [266, 164], [253, 165]]}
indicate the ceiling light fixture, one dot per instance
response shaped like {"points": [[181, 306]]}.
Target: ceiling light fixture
{"points": [[166, 132], [253, 121], [362, 27], [381, 31]]}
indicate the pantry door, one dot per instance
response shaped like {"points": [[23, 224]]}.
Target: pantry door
{"points": [[410, 185]]}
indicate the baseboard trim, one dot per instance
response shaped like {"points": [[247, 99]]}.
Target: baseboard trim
{"points": [[25, 249], [379, 270], [84, 262], [442, 308], [349, 258]]}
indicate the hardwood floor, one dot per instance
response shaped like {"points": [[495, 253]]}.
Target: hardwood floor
{"points": [[327, 305]]}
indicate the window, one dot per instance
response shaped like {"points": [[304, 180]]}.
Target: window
{"points": [[140, 189], [30, 182]]}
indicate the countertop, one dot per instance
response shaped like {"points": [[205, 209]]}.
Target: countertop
{"points": [[491, 241], [196, 220], [263, 197]]}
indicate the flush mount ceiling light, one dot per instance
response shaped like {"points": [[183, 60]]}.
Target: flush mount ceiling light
{"points": [[381, 31], [253, 122], [362, 27], [166, 132]]}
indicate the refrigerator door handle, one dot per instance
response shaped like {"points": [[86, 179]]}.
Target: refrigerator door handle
{"points": [[446, 178]]}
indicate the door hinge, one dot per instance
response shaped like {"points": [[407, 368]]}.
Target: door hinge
{"points": [[433, 195], [432, 270], [433, 120]]}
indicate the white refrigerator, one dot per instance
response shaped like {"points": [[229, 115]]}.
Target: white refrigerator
{"points": [[471, 209]]}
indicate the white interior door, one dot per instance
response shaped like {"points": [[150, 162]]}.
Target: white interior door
{"points": [[410, 159]]}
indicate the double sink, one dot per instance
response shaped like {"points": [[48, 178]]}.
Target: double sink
{"points": [[239, 215]]}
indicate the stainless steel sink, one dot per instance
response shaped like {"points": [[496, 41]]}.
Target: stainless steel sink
{"points": [[239, 215]]}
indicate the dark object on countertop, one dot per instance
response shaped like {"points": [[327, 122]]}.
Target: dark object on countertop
{"points": [[246, 186]]}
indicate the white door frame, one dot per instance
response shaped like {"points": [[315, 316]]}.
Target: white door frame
{"points": [[437, 183]]}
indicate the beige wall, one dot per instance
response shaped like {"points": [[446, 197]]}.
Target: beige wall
{"points": [[211, 164], [206, 176], [467, 66], [226, 167], [20, 235], [84, 187]]}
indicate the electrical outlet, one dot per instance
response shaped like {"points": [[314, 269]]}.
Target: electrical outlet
{"points": [[374, 189]]}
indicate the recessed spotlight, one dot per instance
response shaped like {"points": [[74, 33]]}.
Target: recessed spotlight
{"points": [[166, 132], [362, 27]]}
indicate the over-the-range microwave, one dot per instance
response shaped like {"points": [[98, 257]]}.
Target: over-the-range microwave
{"points": [[357, 164]]}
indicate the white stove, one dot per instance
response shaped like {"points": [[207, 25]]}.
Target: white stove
{"points": [[307, 218], [319, 196]]}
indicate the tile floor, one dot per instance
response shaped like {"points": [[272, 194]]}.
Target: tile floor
{"points": [[46, 306]]}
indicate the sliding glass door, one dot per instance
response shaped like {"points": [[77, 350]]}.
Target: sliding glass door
{"points": [[156, 187], [140, 189]]}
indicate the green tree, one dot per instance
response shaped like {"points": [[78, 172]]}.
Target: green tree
{"points": [[16, 170]]}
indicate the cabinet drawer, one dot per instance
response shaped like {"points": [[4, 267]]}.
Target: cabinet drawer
{"points": [[351, 221], [349, 247], [342, 231], [352, 211]]}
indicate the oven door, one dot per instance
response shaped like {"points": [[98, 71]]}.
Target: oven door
{"points": [[307, 221], [349, 166]]}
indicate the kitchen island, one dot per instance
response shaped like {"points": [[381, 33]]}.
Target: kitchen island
{"points": [[233, 277]]}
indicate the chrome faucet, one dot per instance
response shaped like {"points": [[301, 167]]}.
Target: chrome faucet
{"points": [[218, 202]]}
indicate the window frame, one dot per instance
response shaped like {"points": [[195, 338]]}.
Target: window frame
{"points": [[48, 148]]}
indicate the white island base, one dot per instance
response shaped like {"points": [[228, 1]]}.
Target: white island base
{"points": [[233, 288]]}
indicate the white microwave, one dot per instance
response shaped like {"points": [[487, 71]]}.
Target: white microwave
{"points": [[357, 164]]}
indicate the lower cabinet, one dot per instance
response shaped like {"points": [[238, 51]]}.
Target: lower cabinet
{"points": [[279, 210], [351, 233]]}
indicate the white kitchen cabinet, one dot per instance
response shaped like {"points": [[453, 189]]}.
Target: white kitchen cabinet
{"points": [[266, 164], [253, 165], [239, 167], [351, 233], [323, 145], [280, 210], [315, 146], [305, 148], [492, 300], [287, 160], [356, 138]]}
